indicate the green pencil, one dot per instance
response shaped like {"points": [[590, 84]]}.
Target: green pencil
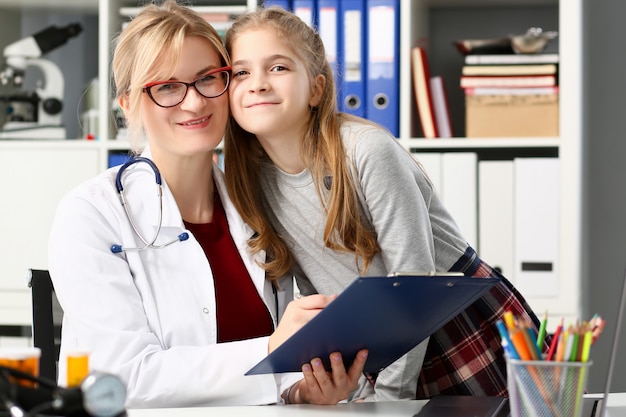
{"points": [[542, 332]]}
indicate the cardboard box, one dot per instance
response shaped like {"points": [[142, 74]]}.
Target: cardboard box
{"points": [[511, 115]]}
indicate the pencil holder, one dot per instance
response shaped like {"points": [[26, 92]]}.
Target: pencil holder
{"points": [[546, 388]]}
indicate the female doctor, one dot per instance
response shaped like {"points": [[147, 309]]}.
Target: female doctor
{"points": [[162, 290]]}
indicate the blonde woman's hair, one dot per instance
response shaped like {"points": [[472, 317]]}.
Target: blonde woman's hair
{"points": [[149, 48], [322, 152]]}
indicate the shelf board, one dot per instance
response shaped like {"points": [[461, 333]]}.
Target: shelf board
{"points": [[231, 10], [481, 3], [73, 5], [41, 144], [463, 143]]}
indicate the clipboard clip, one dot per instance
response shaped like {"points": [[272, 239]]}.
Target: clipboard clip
{"points": [[429, 273]]}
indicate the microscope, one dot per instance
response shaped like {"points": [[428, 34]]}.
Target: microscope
{"points": [[34, 114]]}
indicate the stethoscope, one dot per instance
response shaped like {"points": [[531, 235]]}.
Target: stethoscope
{"points": [[148, 244]]}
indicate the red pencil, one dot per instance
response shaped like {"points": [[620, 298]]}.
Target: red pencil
{"points": [[555, 341]]}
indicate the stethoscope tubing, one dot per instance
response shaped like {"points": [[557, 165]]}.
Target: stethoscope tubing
{"points": [[148, 243]]}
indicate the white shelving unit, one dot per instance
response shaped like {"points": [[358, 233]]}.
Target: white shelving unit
{"points": [[568, 145], [414, 23]]}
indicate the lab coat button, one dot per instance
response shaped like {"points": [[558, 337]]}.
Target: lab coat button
{"points": [[205, 310]]}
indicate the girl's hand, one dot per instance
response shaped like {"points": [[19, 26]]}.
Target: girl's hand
{"points": [[322, 387]]}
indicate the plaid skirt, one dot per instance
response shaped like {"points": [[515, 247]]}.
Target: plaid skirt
{"points": [[465, 356]]}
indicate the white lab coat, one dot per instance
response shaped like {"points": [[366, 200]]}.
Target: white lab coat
{"points": [[150, 316]]}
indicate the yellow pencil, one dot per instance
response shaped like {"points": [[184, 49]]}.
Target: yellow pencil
{"points": [[587, 339], [509, 320]]}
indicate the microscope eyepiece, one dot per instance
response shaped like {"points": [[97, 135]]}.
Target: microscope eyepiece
{"points": [[53, 36]]}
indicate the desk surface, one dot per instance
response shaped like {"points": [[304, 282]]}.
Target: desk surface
{"points": [[617, 408], [616, 405], [382, 408]]}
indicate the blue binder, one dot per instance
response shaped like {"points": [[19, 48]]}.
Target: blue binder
{"points": [[118, 158], [387, 315], [327, 16], [383, 63], [285, 4], [352, 57], [305, 9]]}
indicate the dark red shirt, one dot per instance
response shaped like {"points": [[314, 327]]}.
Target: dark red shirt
{"points": [[241, 313]]}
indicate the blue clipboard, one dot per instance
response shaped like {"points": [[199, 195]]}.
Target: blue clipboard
{"points": [[387, 315]]}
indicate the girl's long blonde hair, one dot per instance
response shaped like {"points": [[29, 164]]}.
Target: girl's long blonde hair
{"points": [[322, 152]]}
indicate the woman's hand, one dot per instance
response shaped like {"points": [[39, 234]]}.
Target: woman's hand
{"points": [[322, 387], [297, 314]]}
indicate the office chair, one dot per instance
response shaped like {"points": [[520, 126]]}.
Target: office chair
{"points": [[47, 318]]}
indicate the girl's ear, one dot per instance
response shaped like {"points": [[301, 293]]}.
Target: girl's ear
{"points": [[318, 90]]}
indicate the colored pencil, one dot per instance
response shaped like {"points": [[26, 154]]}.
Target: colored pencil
{"points": [[555, 340], [542, 332], [507, 345]]}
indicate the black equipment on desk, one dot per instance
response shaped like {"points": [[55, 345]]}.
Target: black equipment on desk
{"points": [[100, 395]]}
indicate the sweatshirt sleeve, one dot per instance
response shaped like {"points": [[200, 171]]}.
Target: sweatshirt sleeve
{"points": [[414, 231], [396, 195]]}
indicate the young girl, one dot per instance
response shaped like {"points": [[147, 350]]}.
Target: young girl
{"points": [[332, 196], [179, 320]]}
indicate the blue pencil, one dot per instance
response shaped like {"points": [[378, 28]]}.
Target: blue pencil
{"points": [[507, 345]]}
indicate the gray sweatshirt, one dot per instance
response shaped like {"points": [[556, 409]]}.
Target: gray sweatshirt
{"points": [[415, 232]]}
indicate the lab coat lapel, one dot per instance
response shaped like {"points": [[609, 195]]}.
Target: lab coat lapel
{"points": [[241, 232], [171, 214]]}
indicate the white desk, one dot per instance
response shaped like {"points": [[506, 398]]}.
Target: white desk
{"points": [[616, 408], [616, 405], [383, 408]]}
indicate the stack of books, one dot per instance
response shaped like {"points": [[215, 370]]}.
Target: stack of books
{"points": [[220, 17], [511, 95]]}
